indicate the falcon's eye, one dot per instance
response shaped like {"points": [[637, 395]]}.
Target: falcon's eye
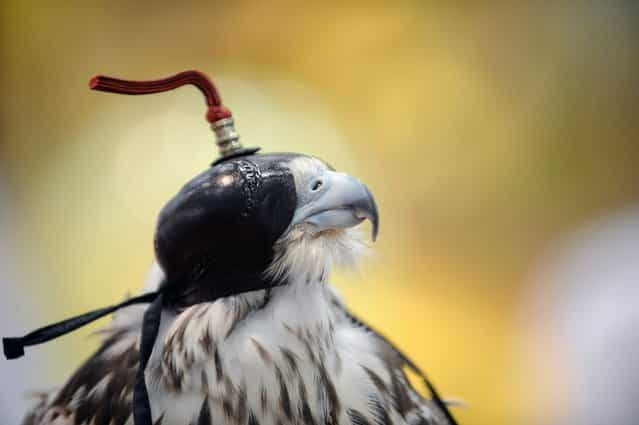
{"points": [[316, 185]]}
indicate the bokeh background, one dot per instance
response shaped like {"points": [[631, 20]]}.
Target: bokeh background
{"points": [[500, 142]]}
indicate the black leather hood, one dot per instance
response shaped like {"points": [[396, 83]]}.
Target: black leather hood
{"points": [[216, 236]]}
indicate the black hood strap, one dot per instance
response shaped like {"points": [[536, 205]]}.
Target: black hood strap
{"points": [[14, 347], [150, 328]]}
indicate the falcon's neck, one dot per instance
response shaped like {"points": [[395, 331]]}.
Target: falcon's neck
{"points": [[212, 334]]}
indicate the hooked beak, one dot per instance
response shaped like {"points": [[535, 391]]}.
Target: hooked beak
{"points": [[343, 201]]}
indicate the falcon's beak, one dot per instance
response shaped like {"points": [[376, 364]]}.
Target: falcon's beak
{"points": [[340, 201]]}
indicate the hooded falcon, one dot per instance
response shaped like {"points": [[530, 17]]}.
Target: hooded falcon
{"points": [[243, 326]]}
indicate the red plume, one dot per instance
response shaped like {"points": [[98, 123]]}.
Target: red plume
{"points": [[216, 112]]}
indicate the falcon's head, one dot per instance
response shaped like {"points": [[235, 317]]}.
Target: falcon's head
{"points": [[256, 221]]}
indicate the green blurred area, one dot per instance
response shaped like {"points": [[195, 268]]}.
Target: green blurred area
{"points": [[485, 130]]}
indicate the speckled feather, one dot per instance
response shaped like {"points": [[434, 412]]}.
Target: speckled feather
{"points": [[246, 360]]}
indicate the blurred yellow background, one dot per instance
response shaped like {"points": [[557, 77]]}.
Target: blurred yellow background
{"points": [[485, 132]]}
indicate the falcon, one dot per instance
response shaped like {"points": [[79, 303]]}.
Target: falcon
{"points": [[243, 325]]}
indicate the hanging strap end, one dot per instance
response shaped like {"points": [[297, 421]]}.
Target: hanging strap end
{"points": [[13, 348]]}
